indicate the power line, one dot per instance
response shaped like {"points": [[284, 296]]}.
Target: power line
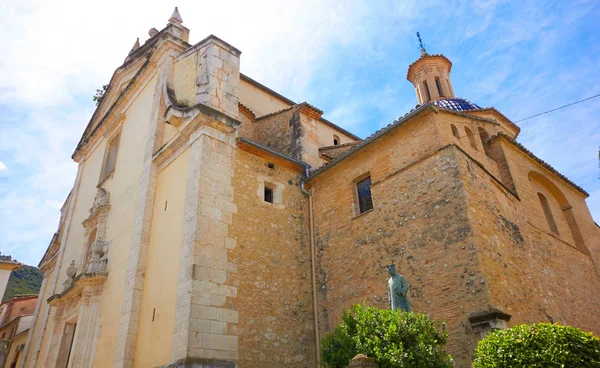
{"points": [[558, 108]]}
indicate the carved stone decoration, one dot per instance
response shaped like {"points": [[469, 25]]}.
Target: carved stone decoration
{"points": [[397, 290], [71, 272], [102, 199], [95, 254], [98, 260]]}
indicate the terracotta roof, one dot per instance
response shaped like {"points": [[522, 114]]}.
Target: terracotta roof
{"points": [[507, 120], [372, 137], [258, 85], [338, 146], [540, 161], [247, 111], [274, 113]]}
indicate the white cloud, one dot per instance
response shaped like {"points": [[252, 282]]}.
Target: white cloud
{"points": [[56, 54]]}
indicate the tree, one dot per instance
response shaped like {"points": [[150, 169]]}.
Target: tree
{"points": [[538, 345], [394, 338]]}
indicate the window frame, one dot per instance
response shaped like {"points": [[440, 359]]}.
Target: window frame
{"points": [[357, 193], [269, 193], [105, 173]]}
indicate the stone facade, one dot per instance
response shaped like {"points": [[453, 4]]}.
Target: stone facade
{"points": [[229, 232]]}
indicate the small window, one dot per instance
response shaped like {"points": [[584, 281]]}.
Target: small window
{"points": [[268, 195], [426, 92], [110, 158], [438, 84], [469, 134], [365, 202], [548, 213], [336, 140], [454, 131]]}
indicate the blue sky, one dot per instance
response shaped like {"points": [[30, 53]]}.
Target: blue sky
{"points": [[348, 58]]}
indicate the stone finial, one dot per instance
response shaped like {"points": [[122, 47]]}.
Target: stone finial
{"points": [[71, 272], [98, 259], [152, 32], [136, 46], [362, 361], [175, 17]]}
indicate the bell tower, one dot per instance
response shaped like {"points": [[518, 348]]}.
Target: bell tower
{"points": [[430, 74]]}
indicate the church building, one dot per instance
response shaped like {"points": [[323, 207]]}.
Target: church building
{"points": [[214, 222]]}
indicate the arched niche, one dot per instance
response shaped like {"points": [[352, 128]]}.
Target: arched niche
{"points": [[565, 208]]}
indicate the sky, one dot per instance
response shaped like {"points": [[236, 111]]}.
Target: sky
{"points": [[349, 58]]}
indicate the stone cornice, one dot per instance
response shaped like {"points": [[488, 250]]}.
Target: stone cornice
{"points": [[79, 283], [412, 66], [187, 121]]}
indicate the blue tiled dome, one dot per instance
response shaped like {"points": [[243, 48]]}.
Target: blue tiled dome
{"points": [[456, 104]]}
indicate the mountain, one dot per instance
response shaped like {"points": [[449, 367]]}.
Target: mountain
{"points": [[25, 280]]}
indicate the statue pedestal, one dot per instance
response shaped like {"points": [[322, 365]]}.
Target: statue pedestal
{"points": [[362, 361]]}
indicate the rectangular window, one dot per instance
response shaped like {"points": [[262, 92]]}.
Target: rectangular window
{"points": [[439, 87], [365, 202], [110, 158], [268, 195]]}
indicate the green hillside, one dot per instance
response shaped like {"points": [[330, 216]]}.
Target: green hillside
{"points": [[25, 280]]}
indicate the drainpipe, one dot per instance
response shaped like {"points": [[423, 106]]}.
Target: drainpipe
{"points": [[313, 269]]}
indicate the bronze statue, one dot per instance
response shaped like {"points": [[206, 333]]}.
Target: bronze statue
{"points": [[397, 290]]}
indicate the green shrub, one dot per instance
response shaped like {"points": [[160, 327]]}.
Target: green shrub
{"points": [[538, 345], [393, 338]]}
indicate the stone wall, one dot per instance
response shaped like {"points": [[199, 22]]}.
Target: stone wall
{"points": [[275, 131], [271, 253], [533, 274], [419, 222]]}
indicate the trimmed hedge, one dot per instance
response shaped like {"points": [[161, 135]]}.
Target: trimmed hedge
{"points": [[538, 345], [395, 339]]}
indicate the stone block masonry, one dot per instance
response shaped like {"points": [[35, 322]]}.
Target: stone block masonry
{"points": [[419, 222], [271, 253], [205, 312], [219, 77]]}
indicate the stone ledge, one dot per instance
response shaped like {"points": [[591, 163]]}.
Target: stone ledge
{"points": [[80, 281], [200, 363]]}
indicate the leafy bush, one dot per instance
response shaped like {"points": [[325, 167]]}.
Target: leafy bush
{"points": [[538, 345], [393, 338]]}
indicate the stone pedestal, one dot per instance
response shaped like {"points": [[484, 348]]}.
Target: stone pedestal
{"points": [[362, 361]]}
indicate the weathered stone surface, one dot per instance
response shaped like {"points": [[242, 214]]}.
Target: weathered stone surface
{"points": [[362, 361]]}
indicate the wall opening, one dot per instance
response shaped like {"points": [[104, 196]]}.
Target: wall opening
{"points": [[484, 140], [454, 131], [548, 213], [426, 93], [110, 157], [66, 345], [363, 189], [336, 140], [438, 84], [268, 195], [469, 134]]}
